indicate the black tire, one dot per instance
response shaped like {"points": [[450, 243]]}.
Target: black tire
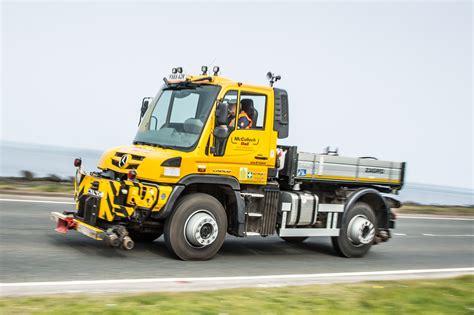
{"points": [[342, 243], [138, 237], [293, 239], [187, 206]]}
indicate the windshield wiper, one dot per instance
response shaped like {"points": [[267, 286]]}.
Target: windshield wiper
{"points": [[162, 146]]}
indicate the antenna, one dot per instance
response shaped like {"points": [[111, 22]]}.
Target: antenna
{"points": [[272, 78], [212, 63]]}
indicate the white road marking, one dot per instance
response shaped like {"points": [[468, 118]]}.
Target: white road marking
{"points": [[38, 201], [428, 234], [455, 235], [440, 217], [238, 278]]}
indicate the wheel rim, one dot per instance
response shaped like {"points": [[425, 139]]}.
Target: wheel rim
{"points": [[360, 230], [200, 229]]}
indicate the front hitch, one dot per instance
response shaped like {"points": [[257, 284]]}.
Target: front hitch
{"points": [[116, 236]]}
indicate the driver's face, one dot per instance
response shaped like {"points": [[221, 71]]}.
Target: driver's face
{"points": [[232, 109]]}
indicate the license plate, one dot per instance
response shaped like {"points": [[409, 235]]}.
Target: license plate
{"points": [[95, 193], [177, 77], [87, 231]]}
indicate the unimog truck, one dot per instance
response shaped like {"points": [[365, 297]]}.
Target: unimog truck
{"points": [[195, 174]]}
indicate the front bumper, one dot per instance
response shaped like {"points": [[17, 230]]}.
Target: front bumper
{"points": [[110, 200], [66, 222]]}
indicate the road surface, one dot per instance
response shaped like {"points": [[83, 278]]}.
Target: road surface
{"points": [[33, 253]]}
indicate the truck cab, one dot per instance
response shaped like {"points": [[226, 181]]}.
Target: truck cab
{"points": [[205, 163]]}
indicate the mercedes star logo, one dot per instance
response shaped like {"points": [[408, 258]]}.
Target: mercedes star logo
{"points": [[123, 160]]}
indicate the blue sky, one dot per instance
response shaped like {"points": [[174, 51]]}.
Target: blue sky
{"points": [[389, 79]]}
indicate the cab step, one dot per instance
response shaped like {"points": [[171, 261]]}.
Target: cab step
{"points": [[252, 195], [252, 234]]}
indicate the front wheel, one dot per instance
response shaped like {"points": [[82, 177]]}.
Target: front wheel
{"points": [[197, 227], [357, 231]]}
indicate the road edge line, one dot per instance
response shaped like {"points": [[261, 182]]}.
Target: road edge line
{"points": [[241, 278]]}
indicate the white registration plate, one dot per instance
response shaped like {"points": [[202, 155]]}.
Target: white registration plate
{"points": [[177, 77], [95, 193]]}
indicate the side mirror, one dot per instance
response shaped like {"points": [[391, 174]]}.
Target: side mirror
{"points": [[221, 132], [221, 114], [220, 139], [145, 102]]}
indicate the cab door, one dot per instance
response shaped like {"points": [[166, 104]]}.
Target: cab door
{"points": [[247, 153]]}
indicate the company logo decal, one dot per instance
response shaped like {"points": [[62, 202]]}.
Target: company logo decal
{"points": [[301, 172], [124, 160], [243, 173], [374, 170], [245, 141]]}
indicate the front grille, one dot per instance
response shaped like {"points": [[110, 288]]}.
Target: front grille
{"points": [[129, 167], [133, 164], [89, 209], [134, 156]]}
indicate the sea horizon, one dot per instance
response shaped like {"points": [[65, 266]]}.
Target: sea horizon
{"points": [[44, 160]]}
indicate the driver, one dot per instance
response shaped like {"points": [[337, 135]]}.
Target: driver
{"points": [[245, 121], [231, 114]]}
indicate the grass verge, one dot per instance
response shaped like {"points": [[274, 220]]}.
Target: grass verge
{"points": [[18, 186], [436, 210], [441, 296]]}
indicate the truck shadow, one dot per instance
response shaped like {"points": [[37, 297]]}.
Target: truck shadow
{"points": [[274, 247], [232, 247], [89, 247]]}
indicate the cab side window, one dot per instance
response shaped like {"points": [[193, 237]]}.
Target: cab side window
{"points": [[230, 99], [252, 111]]}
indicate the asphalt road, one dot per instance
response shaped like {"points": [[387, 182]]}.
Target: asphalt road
{"points": [[31, 251]]}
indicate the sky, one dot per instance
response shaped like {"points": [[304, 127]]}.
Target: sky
{"points": [[386, 79]]}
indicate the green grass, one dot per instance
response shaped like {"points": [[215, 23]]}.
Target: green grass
{"points": [[441, 210], [18, 186], [443, 296]]}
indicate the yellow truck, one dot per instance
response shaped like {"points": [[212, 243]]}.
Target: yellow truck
{"points": [[205, 163]]}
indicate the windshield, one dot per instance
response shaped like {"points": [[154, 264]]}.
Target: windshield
{"points": [[177, 116]]}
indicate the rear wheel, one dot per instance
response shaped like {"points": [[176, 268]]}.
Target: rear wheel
{"points": [[197, 227], [357, 231], [294, 239]]}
